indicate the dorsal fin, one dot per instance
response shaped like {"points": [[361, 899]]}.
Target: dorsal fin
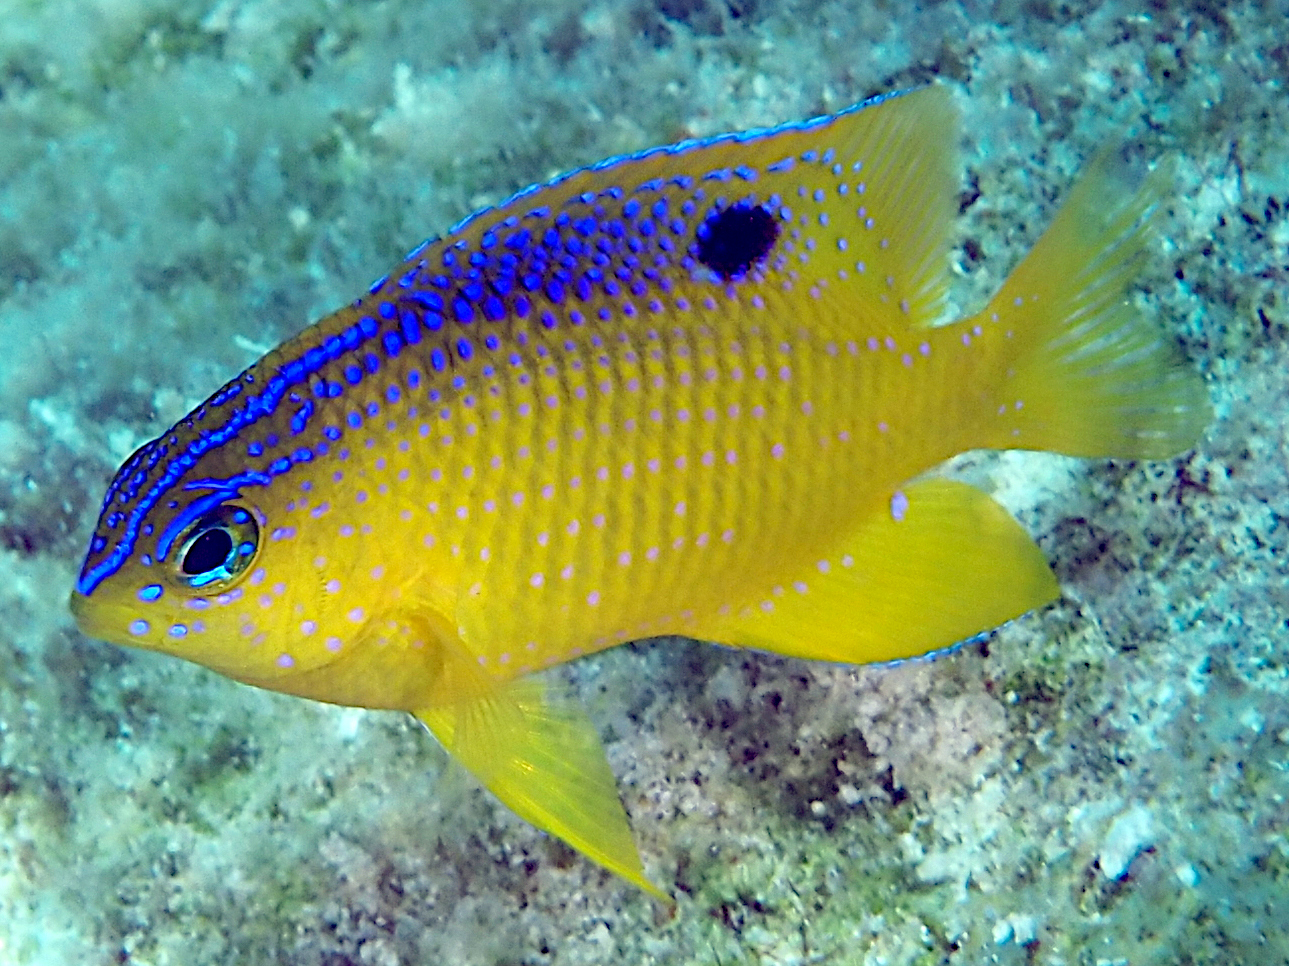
{"points": [[861, 203]]}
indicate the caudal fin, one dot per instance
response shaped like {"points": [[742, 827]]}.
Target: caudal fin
{"points": [[1092, 374]]}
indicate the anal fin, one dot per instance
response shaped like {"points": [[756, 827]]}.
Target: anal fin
{"points": [[544, 760], [941, 563]]}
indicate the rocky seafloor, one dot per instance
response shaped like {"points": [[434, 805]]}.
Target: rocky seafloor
{"points": [[184, 184]]}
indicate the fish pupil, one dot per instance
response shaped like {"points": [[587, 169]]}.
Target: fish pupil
{"points": [[208, 552], [731, 239]]}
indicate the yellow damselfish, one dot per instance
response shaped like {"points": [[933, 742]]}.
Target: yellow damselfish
{"points": [[690, 391]]}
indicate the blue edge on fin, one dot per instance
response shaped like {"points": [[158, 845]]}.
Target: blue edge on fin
{"points": [[680, 147], [939, 652]]}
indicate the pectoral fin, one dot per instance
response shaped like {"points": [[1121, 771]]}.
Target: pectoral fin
{"points": [[544, 760], [941, 563]]}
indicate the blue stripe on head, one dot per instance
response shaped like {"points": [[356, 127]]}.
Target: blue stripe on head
{"points": [[185, 517], [253, 408]]}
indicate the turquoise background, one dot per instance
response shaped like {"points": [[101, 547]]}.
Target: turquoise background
{"points": [[184, 184]]}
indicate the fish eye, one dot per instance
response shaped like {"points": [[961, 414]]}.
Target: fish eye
{"points": [[218, 547]]}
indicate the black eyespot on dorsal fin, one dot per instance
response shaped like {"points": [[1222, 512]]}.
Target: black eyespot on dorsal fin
{"points": [[733, 238]]}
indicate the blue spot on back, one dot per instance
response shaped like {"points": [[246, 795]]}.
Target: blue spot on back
{"points": [[411, 327]]}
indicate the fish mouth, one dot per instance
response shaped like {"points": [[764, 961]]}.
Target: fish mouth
{"points": [[91, 617], [77, 604]]}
